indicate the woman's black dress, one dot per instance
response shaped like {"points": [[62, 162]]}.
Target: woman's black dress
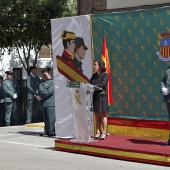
{"points": [[100, 97]]}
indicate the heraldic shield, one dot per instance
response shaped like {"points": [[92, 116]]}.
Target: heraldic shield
{"points": [[164, 43]]}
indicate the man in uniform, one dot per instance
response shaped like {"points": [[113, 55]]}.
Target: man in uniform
{"points": [[46, 97], [165, 89], [69, 45], [80, 51], [11, 92], [32, 87], [2, 105]]}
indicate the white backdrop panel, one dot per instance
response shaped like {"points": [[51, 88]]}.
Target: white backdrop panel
{"points": [[63, 109]]}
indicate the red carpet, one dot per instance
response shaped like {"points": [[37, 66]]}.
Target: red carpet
{"points": [[146, 150]]}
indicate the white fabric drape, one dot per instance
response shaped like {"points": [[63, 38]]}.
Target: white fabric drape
{"points": [[63, 109]]}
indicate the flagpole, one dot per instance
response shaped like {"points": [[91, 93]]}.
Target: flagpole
{"points": [[105, 58]]}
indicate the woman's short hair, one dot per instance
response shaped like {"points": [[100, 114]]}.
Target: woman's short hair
{"points": [[101, 65]]}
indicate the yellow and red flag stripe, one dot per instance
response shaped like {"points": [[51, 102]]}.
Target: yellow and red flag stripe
{"points": [[105, 58], [165, 50]]}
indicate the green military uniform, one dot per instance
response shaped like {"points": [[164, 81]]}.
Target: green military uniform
{"points": [[2, 105], [46, 93], [78, 64], [165, 83], [32, 103], [10, 88]]}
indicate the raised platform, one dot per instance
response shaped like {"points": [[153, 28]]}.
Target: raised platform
{"points": [[139, 149]]}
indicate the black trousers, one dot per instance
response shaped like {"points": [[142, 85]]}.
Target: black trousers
{"points": [[2, 114], [168, 109]]}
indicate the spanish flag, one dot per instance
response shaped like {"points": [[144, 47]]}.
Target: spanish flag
{"points": [[105, 58]]}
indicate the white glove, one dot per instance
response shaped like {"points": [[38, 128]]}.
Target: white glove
{"points": [[15, 96], [165, 91], [2, 101]]}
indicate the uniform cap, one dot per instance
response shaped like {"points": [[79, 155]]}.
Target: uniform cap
{"points": [[46, 70], [9, 72], [67, 35], [1, 77], [79, 41], [32, 67]]}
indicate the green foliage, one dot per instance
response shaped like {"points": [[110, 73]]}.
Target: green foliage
{"points": [[72, 5], [25, 24]]}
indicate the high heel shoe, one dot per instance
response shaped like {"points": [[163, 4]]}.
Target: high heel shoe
{"points": [[168, 143], [102, 136], [97, 136]]}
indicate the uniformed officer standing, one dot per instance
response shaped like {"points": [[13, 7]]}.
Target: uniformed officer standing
{"points": [[2, 105], [165, 89], [11, 92], [46, 97], [32, 87]]}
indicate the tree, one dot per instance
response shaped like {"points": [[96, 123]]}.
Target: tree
{"points": [[25, 25]]}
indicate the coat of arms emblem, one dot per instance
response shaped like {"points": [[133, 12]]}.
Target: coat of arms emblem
{"points": [[164, 43]]}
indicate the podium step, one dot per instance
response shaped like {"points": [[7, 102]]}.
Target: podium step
{"points": [[145, 150]]}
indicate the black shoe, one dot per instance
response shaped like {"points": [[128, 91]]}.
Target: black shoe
{"points": [[168, 143], [97, 136], [43, 134], [51, 134]]}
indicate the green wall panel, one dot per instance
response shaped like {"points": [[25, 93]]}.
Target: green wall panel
{"points": [[132, 41]]}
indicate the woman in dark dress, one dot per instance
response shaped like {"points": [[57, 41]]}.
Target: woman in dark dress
{"points": [[100, 98]]}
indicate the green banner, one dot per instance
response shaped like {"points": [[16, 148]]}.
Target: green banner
{"points": [[73, 84], [133, 42]]}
